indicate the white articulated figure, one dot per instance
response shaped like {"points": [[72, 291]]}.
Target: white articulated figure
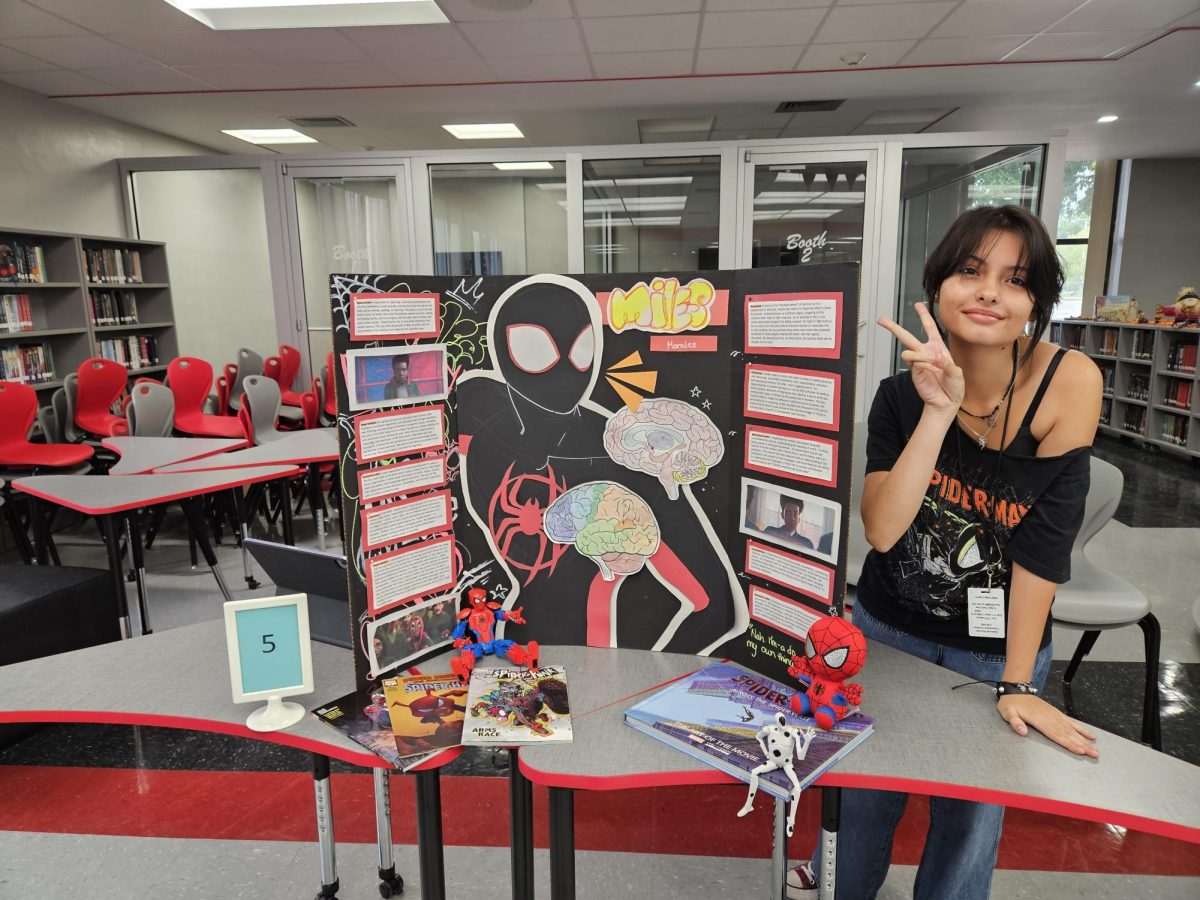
{"points": [[780, 742]]}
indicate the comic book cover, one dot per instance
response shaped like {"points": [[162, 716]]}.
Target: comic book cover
{"points": [[426, 711], [715, 714], [363, 718], [517, 706]]}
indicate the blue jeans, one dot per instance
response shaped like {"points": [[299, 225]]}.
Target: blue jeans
{"points": [[963, 837]]}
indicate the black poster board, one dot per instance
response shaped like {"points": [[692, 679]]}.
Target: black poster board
{"points": [[653, 461]]}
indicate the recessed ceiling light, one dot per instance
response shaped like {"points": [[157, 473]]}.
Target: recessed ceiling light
{"points": [[484, 132], [523, 166], [1104, 120], [232, 15], [269, 135]]}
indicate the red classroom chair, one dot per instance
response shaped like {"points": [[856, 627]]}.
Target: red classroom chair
{"points": [[289, 366], [191, 380], [101, 382], [18, 407]]}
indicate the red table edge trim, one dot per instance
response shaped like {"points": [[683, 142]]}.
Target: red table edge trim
{"points": [[300, 460], [879, 783], [238, 445]]}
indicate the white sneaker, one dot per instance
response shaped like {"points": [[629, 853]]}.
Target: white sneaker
{"points": [[802, 882]]}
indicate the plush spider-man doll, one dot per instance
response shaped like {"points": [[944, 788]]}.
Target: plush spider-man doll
{"points": [[833, 651]]}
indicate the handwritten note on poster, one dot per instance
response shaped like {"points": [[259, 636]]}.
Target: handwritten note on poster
{"points": [[411, 572], [401, 478], [405, 519], [801, 575], [807, 324], [399, 433], [393, 316], [794, 396], [791, 454]]}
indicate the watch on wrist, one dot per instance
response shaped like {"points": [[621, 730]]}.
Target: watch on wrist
{"points": [[1005, 688]]}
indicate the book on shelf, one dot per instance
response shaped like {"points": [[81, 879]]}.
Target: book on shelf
{"points": [[1108, 342], [715, 713], [1143, 345], [362, 717], [1135, 420], [1178, 393], [425, 712], [20, 261], [113, 307], [16, 313], [517, 706], [1138, 387], [135, 351], [1174, 430], [112, 265], [27, 363], [1181, 356], [1106, 410]]}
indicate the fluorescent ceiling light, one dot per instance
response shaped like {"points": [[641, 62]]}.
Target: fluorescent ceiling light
{"points": [[232, 15], [635, 203], [1104, 120], [645, 182], [269, 135], [484, 132], [638, 220], [523, 166]]}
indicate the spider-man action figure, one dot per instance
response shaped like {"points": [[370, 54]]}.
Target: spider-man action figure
{"points": [[833, 651], [479, 618]]}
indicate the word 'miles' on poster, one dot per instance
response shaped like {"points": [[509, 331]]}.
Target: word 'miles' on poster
{"points": [[654, 460]]}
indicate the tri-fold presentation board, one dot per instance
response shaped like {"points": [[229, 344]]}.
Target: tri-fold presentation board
{"points": [[656, 460]]}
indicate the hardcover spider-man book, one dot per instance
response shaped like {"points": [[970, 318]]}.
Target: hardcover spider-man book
{"points": [[517, 706], [362, 717], [715, 715], [426, 711]]}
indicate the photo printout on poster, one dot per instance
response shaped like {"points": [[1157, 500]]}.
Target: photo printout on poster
{"points": [[793, 396], [796, 573], [401, 478], [792, 454], [781, 613], [792, 519], [807, 324], [381, 377], [409, 573], [393, 316], [387, 434], [396, 637], [405, 519]]}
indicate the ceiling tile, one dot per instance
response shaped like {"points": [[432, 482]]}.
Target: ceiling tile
{"points": [[260, 76], [984, 17], [15, 61], [524, 38], [764, 28], [879, 53], [467, 11], [743, 5], [90, 51], [293, 45], [651, 33], [175, 48], [736, 59], [412, 42], [888, 2], [19, 19], [868, 23], [617, 65], [115, 16], [540, 68], [440, 71], [352, 73], [58, 81], [747, 134], [146, 78], [1085, 45], [1113, 15], [935, 51], [587, 9]]}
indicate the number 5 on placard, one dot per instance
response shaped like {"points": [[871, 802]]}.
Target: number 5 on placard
{"points": [[270, 657], [268, 643]]}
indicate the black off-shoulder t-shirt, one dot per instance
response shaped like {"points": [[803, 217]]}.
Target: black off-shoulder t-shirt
{"points": [[971, 524]]}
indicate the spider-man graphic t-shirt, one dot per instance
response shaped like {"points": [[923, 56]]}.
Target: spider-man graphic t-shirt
{"points": [[981, 512]]}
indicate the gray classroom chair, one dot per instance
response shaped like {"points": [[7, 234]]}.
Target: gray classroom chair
{"points": [[262, 393], [63, 401], [1096, 599], [151, 411], [248, 363]]}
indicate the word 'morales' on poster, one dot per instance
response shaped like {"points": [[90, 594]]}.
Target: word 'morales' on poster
{"points": [[793, 396], [793, 572], [400, 433], [394, 316], [401, 478], [805, 323], [409, 573], [791, 454], [779, 612], [415, 517]]}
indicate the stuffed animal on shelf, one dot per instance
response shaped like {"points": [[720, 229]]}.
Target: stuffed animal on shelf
{"points": [[834, 651]]}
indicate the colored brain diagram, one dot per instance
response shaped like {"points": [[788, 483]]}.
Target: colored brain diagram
{"points": [[656, 461]]}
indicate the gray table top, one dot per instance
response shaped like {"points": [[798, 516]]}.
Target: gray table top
{"points": [[314, 445], [140, 455], [928, 739], [97, 495]]}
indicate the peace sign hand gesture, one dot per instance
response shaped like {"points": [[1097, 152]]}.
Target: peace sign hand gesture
{"points": [[938, 380]]}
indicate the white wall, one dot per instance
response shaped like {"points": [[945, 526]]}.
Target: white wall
{"points": [[1161, 252], [58, 168]]}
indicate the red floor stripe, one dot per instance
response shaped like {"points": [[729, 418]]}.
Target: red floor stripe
{"points": [[278, 806]]}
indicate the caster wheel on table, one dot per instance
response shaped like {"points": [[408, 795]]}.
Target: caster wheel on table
{"points": [[390, 884], [252, 583]]}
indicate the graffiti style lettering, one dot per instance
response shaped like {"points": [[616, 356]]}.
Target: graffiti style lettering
{"points": [[663, 305]]}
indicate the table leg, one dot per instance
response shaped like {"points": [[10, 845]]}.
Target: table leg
{"points": [[112, 543], [38, 525], [779, 851], [429, 835], [562, 843], [389, 882], [194, 513], [329, 878], [133, 537], [285, 511], [831, 802], [316, 501], [520, 804], [239, 512], [14, 523]]}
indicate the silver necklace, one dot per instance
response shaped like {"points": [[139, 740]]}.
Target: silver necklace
{"points": [[991, 417]]}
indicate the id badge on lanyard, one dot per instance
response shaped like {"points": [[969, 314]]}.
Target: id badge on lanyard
{"points": [[985, 612]]}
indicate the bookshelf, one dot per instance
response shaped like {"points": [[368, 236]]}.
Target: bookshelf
{"points": [[67, 297], [1151, 389]]}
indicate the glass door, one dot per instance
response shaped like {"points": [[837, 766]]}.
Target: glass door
{"points": [[343, 220]]}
